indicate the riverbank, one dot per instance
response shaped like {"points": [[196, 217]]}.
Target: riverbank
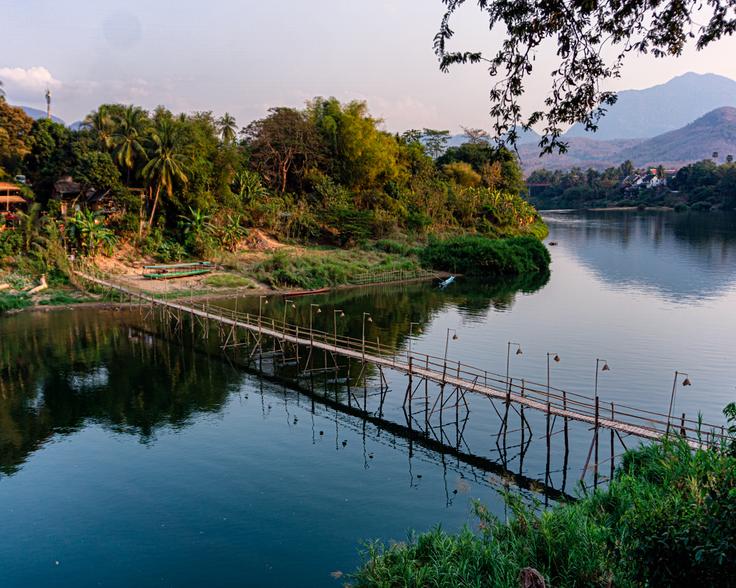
{"points": [[272, 268], [667, 519]]}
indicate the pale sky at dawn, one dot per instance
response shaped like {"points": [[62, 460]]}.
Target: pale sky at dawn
{"points": [[245, 56]]}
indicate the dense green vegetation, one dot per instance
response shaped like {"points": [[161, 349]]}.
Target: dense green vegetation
{"points": [[13, 302], [704, 185], [667, 519], [319, 269], [476, 255], [181, 186]]}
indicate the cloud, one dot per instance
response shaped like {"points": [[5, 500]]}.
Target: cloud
{"points": [[21, 83]]}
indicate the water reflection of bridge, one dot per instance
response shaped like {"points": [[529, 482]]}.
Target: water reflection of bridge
{"points": [[435, 403]]}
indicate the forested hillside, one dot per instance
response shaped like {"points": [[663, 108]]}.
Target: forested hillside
{"points": [[178, 186]]}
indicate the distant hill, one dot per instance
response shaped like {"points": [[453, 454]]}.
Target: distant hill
{"points": [[582, 152], [525, 137], [37, 114], [715, 131], [642, 114]]}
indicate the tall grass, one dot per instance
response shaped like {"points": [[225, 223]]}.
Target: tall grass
{"points": [[667, 519], [320, 269]]}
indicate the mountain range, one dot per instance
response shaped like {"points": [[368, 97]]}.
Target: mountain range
{"points": [[714, 132], [642, 114], [37, 114]]}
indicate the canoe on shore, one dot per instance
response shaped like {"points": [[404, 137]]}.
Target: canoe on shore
{"points": [[307, 292], [177, 270], [168, 275]]}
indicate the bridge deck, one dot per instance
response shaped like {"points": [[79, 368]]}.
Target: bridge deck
{"points": [[575, 407]]}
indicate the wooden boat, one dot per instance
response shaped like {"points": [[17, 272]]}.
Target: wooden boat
{"points": [[307, 292], [177, 270]]}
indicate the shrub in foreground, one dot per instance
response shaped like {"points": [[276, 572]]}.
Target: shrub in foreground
{"points": [[667, 519]]}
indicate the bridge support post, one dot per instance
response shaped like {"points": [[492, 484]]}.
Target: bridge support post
{"points": [[613, 434], [595, 463], [347, 384], [549, 440]]}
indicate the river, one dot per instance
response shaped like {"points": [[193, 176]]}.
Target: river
{"points": [[128, 458]]}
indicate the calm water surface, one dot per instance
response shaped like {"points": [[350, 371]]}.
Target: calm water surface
{"points": [[127, 459]]}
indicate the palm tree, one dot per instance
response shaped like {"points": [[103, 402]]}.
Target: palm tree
{"points": [[228, 128], [166, 165], [100, 122], [129, 131]]}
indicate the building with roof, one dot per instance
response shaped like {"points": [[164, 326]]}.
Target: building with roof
{"points": [[11, 199]]}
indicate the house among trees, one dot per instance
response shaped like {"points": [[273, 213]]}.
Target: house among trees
{"points": [[73, 196], [11, 200]]}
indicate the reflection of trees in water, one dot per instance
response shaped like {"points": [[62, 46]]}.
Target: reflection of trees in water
{"points": [[681, 255], [622, 227], [394, 307], [64, 370]]}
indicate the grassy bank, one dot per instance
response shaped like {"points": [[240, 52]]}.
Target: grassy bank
{"points": [[514, 257], [667, 519], [319, 268]]}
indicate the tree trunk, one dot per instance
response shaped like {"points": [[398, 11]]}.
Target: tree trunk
{"points": [[153, 210], [284, 173]]}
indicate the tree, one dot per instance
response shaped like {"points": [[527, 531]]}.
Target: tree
{"points": [[412, 136], [95, 169], [127, 137], [360, 155], [50, 157], [166, 165], [228, 128], [462, 174], [435, 141], [476, 136], [592, 40], [627, 168], [100, 123], [497, 165], [283, 145], [15, 129]]}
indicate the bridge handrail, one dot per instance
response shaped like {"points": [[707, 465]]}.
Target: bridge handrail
{"points": [[469, 376]]}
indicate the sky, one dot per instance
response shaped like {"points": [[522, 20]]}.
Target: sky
{"points": [[243, 56]]}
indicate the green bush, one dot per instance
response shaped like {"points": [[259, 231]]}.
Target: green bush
{"points": [[11, 243], [61, 298], [477, 255], [667, 519], [13, 302], [395, 248], [228, 281], [162, 248]]}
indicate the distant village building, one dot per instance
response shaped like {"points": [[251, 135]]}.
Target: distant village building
{"points": [[648, 179]]}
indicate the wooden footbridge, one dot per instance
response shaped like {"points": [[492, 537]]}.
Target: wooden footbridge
{"points": [[453, 378]]}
